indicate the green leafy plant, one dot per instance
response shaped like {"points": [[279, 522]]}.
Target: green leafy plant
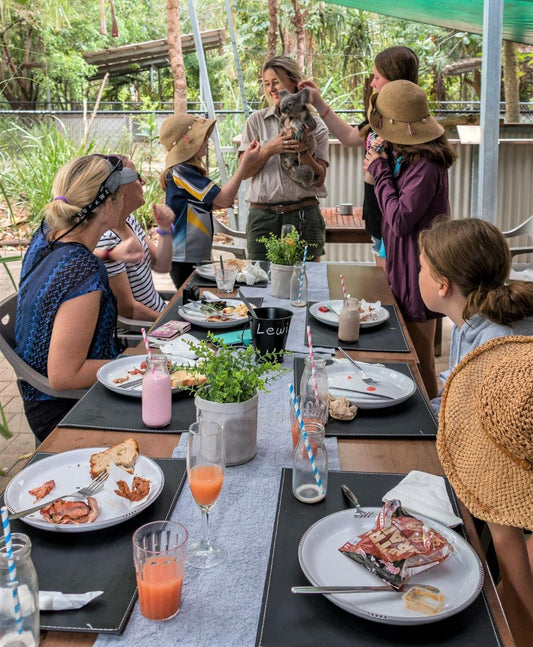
{"points": [[285, 250], [4, 429], [233, 375]]}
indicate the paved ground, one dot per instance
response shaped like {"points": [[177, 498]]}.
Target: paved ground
{"points": [[22, 441]]}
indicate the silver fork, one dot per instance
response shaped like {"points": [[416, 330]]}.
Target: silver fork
{"points": [[362, 374], [93, 488], [360, 513]]}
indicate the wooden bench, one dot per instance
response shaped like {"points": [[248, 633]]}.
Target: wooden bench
{"points": [[345, 229]]}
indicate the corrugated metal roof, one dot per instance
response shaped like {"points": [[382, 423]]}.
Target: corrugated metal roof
{"points": [[464, 15]]}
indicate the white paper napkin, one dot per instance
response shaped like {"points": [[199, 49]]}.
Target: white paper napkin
{"points": [[252, 274], [107, 497], [57, 601], [180, 347], [425, 494]]}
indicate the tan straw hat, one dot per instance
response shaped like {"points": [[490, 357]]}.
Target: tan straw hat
{"points": [[485, 436], [182, 135], [399, 113]]}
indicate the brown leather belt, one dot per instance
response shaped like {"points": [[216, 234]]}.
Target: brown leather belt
{"points": [[286, 207]]}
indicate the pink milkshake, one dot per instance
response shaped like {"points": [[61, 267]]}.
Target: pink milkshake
{"points": [[156, 393]]}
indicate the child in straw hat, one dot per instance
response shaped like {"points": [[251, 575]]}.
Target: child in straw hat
{"points": [[485, 445], [464, 272], [190, 193], [411, 186]]}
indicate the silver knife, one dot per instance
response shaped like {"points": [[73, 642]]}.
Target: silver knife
{"points": [[359, 589], [129, 383], [371, 393]]}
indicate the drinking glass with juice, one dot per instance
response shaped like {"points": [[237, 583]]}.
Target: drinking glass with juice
{"points": [[159, 550]]}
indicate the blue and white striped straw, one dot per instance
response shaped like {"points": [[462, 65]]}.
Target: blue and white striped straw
{"points": [[11, 569], [306, 440], [301, 279]]}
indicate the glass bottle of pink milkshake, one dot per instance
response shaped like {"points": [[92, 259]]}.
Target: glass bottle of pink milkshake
{"points": [[156, 393]]}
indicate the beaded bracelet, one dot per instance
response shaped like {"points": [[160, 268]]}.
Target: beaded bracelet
{"points": [[164, 232], [107, 253]]}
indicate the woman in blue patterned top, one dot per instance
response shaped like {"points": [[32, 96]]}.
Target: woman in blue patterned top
{"points": [[66, 313], [190, 193]]}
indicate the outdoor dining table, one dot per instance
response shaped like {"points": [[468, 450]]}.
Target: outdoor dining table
{"points": [[397, 456]]}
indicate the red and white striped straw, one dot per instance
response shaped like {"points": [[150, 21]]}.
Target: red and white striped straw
{"points": [[312, 359], [146, 344], [344, 296]]}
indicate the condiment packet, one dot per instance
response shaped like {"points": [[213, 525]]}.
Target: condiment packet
{"points": [[57, 601], [423, 493]]}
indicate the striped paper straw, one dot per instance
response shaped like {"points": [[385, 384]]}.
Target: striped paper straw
{"points": [[301, 279], [341, 276], [306, 440], [11, 569], [146, 344], [313, 368]]}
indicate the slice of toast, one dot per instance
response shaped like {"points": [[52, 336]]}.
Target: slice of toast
{"points": [[123, 454]]}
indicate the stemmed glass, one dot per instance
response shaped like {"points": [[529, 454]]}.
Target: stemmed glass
{"points": [[206, 460], [286, 230]]}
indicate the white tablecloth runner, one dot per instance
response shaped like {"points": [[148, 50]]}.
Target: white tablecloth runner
{"points": [[221, 606]]}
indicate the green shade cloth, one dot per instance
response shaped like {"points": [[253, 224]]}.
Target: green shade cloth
{"points": [[464, 15]]}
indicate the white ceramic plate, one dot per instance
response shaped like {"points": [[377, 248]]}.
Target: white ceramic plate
{"points": [[71, 471], [199, 318], [342, 375], [381, 314], [119, 368], [206, 272], [459, 578]]}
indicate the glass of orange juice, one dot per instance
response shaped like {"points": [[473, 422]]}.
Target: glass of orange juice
{"points": [[311, 412], [159, 550], [206, 461]]}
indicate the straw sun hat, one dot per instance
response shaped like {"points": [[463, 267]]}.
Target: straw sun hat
{"points": [[399, 113], [485, 437], [182, 135]]}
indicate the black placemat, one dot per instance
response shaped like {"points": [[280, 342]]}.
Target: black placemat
{"points": [[287, 619], [101, 408], [387, 337], [201, 333], [202, 282], [413, 418], [101, 560]]}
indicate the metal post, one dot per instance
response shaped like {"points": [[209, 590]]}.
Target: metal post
{"points": [[206, 91], [487, 194]]}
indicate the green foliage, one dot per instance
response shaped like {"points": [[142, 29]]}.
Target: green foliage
{"points": [[233, 375], [4, 429], [284, 250]]}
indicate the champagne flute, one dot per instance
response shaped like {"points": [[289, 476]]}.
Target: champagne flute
{"points": [[206, 460]]}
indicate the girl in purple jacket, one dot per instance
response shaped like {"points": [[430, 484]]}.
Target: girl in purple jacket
{"points": [[411, 186]]}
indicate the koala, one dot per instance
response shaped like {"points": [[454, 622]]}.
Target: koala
{"points": [[296, 120]]}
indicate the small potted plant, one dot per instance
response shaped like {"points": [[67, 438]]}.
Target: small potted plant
{"points": [[230, 393], [283, 252]]}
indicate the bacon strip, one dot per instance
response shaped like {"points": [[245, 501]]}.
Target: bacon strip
{"points": [[42, 490]]}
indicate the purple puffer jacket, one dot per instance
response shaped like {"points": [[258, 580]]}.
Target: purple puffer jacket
{"points": [[409, 203]]}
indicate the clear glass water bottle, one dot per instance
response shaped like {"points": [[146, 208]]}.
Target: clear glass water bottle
{"points": [[28, 594], [307, 385], [299, 285], [349, 321], [156, 393], [305, 484]]}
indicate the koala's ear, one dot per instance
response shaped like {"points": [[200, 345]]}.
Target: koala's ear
{"points": [[283, 93], [304, 93]]}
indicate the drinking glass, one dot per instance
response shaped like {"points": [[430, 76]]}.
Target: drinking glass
{"points": [[286, 230], [206, 460]]}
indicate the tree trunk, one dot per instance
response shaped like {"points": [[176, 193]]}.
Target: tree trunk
{"points": [[510, 80], [272, 38], [298, 20], [175, 55]]}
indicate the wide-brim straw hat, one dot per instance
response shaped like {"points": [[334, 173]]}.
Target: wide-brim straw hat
{"points": [[182, 135], [485, 436], [399, 113]]}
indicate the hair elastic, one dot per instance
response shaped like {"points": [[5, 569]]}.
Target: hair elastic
{"points": [[61, 197]]}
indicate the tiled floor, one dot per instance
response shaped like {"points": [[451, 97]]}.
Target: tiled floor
{"points": [[22, 441]]}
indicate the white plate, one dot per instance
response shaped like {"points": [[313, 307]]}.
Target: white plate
{"points": [[342, 374], [206, 272], [71, 471], [459, 578], [119, 368], [328, 318], [200, 319]]}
